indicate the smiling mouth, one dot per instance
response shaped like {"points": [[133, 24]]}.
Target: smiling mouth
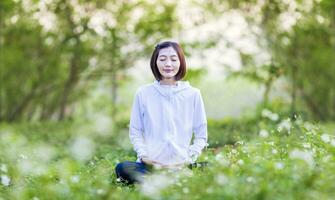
{"points": [[167, 70]]}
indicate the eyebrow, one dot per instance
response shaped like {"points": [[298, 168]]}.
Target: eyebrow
{"points": [[167, 56]]}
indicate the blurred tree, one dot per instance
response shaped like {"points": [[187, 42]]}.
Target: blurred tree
{"points": [[50, 51], [300, 38]]}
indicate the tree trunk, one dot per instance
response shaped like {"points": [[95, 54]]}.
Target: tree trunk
{"points": [[114, 93], [294, 92], [69, 85]]}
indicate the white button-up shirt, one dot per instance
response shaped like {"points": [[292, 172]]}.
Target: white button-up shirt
{"points": [[163, 120]]}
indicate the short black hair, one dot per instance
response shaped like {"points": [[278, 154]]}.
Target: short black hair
{"points": [[153, 62]]}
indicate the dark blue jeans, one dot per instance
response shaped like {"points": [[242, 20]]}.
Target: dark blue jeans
{"points": [[131, 172]]}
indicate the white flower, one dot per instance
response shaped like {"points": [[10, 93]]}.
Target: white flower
{"points": [[279, 165], [268, 114], [333, 142], [75, 179], [221, 179], [285, 125], [44, 152], [306, 156], [263, 133], [186, 190], [82, 148], [309, 126], [5, 180], [3, 168], [32, 167], [326, 158], [240, 142], [209, 190], [100, 191], [240, 162], [325, 138], [103, 124], [153, 184], [274, 151], [250, 179], [220, 159]]}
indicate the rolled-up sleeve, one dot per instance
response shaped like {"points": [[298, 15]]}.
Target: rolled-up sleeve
{"points": [[136, 129], [199, 127]]}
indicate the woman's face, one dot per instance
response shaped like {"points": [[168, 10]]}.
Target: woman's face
{"points": [[168, 63]]}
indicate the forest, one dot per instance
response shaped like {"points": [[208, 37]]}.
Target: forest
{"points": [[69, 70]]}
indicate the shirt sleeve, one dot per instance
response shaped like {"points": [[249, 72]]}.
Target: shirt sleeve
{"points": [[136, 129], [199, 128]]}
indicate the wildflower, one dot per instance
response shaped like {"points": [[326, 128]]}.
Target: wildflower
{"points": [[209, 190], [326, 158], [240, 142], [82, 148], [250, 179], [100, 191], [153, 184], [325, 138], [285, 125], [186, 190], [240, 162], [220, 159], [306, 156], [263, 133], [3, 168], [270, 115], [279, 165], [333, 142], [308, 126], [274, 151], [221, 179], [44, 152], [5, 180], [75, 179], [102, 124]]}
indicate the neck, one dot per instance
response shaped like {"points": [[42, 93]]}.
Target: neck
{"points": [[168, 81]]}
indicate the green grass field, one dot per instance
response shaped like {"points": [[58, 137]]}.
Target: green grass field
{"points": [[265, 158]]}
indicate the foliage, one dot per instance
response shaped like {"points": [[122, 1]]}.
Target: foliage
{"points": [[284, 160], [299, 38], [58, 49]]}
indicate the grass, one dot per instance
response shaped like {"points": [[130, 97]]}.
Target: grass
{"points": [[258, 158]]}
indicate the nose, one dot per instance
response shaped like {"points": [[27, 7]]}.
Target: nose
{"points": [[168, 63]]}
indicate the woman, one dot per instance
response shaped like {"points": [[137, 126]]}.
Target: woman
{"points": [[164, 116]]}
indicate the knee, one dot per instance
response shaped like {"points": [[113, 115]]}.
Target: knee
{"points": [[124, 172], [119, 169]]}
